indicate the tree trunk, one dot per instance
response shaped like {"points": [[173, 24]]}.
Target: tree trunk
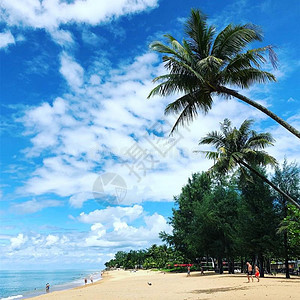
{"points": [[220, 266], [285, 242], [286, 255], [207, 262], [231, 266], [268, 266], [283, 123], [266, 180], [261, 265], [242, 265]]}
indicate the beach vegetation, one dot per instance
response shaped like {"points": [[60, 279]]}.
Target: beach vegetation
{"points": [[287, 177], [243, 149]]}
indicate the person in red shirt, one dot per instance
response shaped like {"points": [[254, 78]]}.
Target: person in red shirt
{"points": [[257, 273]]}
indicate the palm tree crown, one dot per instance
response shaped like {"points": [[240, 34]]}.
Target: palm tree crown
{"points": [[203, 64], [241, 148], [236, 146]]}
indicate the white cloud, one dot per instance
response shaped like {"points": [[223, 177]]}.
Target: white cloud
{"points": [[71, 71], [51, 240], [18, 241], [110, 215], [62, 37], [32, 206], [93, 246], [77, 200], [6, 38], [89, 133], [53, 13], [125, 235]]}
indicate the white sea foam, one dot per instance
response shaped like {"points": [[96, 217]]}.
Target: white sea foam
{"points": [[12, 297]]}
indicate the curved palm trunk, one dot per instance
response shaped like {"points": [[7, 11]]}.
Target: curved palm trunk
{"points": [[266, 180], [283, 123]]}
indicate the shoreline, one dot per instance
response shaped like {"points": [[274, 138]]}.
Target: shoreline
{"points": [[76, 282], [151, 285]]}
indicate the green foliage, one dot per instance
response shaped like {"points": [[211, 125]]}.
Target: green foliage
{"points": [[203, 63], [242, 149], [228, 218], [291, 225], [203, 223], [154, 257], [235, 146], [288, 179], [257, 218]]}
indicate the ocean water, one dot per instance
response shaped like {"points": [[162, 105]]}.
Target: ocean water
{"points": [[25, 284]]}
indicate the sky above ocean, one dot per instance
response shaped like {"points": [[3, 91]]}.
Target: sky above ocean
{"points": [[83, 171]]}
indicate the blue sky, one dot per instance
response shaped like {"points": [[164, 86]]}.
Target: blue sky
{"points": [[74, 80]]}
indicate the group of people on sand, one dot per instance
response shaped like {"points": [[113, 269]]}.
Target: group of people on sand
{"points": [[249, 272]]}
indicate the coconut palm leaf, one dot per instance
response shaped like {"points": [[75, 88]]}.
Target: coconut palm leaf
{"points": [[205, 64], [241, 148]]}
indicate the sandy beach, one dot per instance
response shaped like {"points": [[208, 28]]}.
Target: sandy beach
{"points": [[126, 285]]}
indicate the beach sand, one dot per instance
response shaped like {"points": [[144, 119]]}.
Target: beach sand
{"points": [[126, 285]]}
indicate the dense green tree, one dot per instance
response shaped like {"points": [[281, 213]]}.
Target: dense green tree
{"points": [[154, 257], [257, 221], [291, 225], [184, 238], [242, 149], [288, 179], [202, 65], [204, 219]]}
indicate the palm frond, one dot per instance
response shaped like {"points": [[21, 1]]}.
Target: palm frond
{"points": [[186, 116], [226, 127], [200, 33], [173, 83], [245, 127], [214, 138], [177, 66], [211, 155], [251, 58], [261, 158], [235, 147], [188, 107], [176, 50], [259, 140], [209, 64], [246, 77], [231, 40]]}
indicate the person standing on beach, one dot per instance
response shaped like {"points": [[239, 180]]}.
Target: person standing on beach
{"points": [[47, 287], [188, 271], [85, 280], [249, 271], [91, 279], [257, 273]]}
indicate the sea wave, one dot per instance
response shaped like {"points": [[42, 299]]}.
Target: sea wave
{"points": [[70, 279], [12, 297]]}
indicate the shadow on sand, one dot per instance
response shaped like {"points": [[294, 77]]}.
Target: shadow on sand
{"points": [[283, 279], [217, 290]]}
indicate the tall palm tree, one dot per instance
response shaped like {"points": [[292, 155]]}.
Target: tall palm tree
{"points": [[241, 148], [202, 66]]}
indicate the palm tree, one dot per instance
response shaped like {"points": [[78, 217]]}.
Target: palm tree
{"points": [[202, 66], [241, 148]]}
